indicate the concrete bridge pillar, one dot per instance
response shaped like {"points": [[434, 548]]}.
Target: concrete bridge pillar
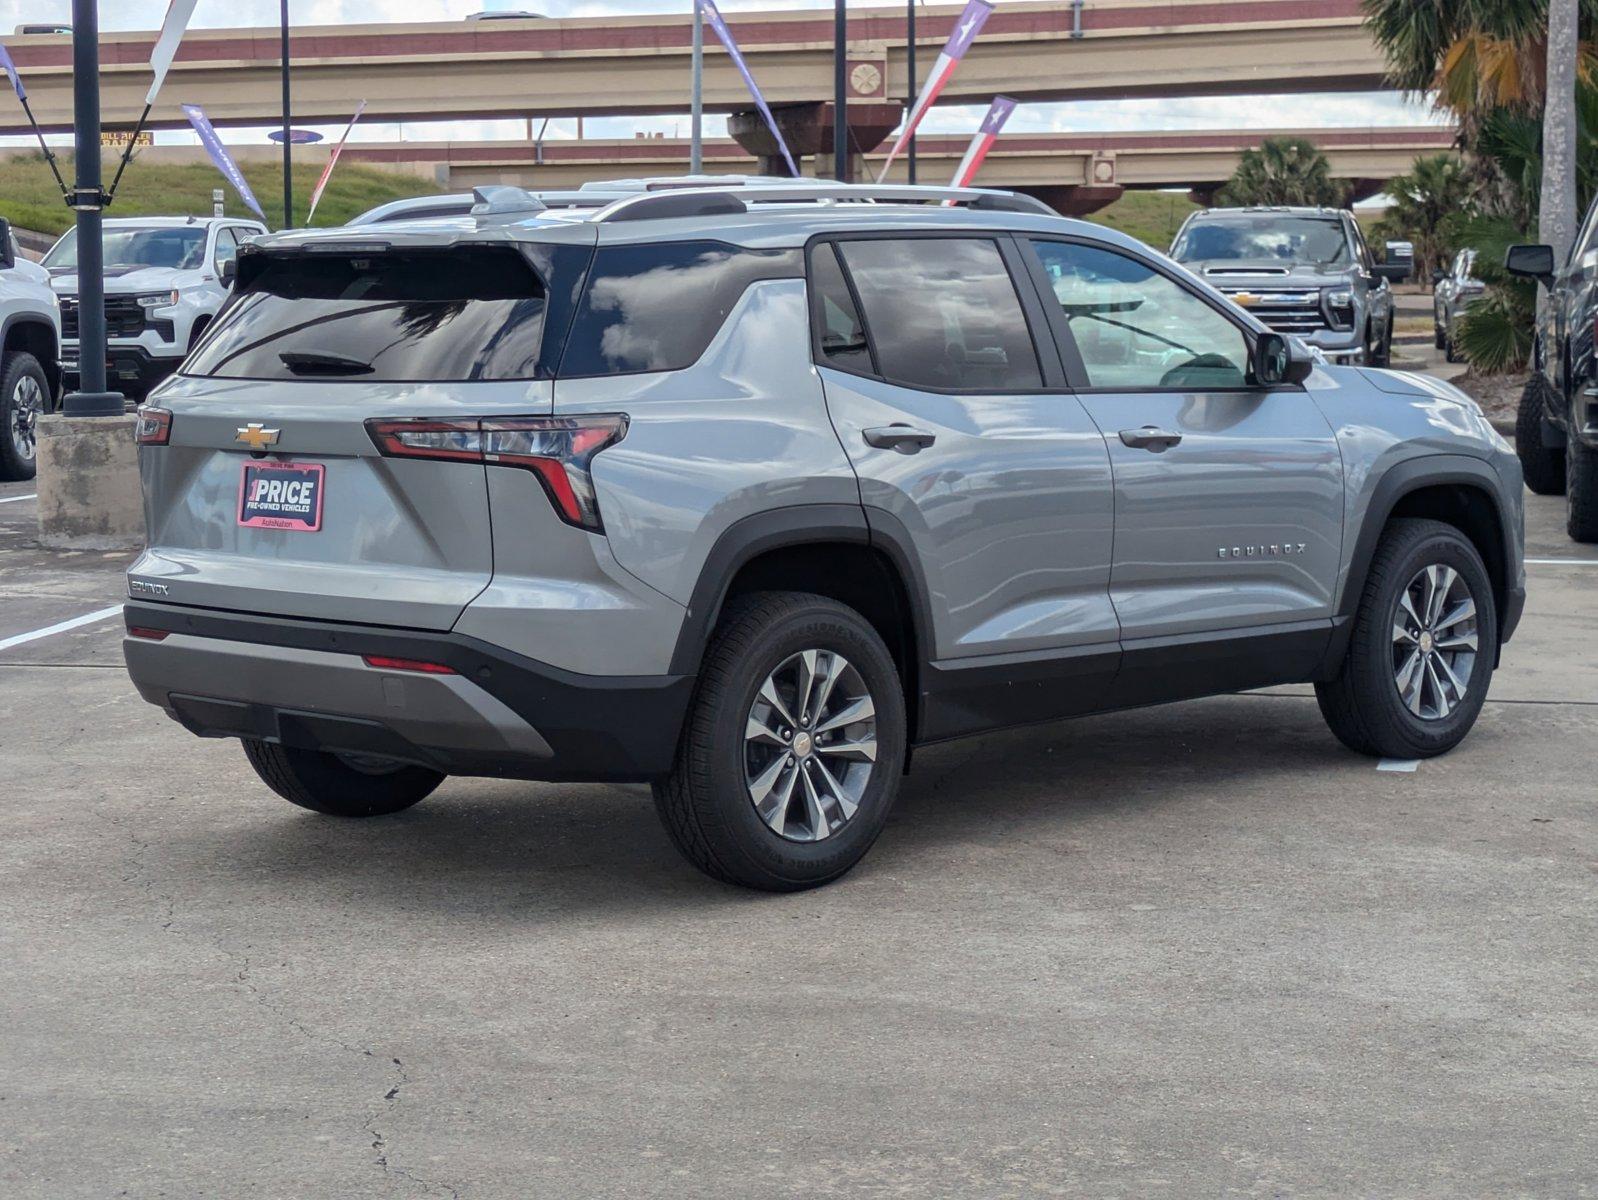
{"points": [[807, 128]]}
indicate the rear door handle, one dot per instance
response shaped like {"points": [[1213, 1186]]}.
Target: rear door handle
{"points": [[1150, 438], [906, 439]]}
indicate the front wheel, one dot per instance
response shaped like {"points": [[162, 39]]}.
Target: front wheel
{"points": [[340, 785], [1380, 352], [791, 755], [24, 398], [1420, 657]]}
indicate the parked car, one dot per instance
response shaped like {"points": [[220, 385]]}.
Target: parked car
{"points": [[1452, 292], [1556, 431], [1302, 271], [165, 280], [749, 492], [30, 361]]}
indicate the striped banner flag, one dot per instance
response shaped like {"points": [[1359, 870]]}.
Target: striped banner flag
{"points": [[173, 24], [11, 73], [998, 113], [220, 157], [970, 24], [332, 161], [712, 16]]}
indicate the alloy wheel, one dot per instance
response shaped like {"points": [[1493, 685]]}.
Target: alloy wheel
{"points": [[1434, 642], [810, 745], [27, 403]]}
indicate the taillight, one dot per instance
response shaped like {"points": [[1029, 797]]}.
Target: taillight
{"points": [[148, 634], [387, 663], [556, 449], [153, 426]]}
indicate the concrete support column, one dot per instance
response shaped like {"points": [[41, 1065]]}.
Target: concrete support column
{"points": [[88, 483], [807, 128]]}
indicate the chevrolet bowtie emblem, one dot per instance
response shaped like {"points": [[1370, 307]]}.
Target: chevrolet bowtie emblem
{"points": [[1246, 299], [256, 437]]}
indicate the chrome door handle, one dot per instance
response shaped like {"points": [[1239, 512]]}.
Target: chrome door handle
{"points": [[1150, 438], [906, 439]]}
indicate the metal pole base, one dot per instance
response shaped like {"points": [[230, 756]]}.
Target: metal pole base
{"points": [[93, 404]]}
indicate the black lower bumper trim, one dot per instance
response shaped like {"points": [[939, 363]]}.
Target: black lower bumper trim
{"points": [[601, 728], [127, 365]]}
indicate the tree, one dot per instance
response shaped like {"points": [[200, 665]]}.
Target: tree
{"points": [[1283, 171], [1427, 206], [1557, 215]]}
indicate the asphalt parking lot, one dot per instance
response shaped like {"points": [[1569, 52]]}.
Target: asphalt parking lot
{"points": [[1191, 951]]}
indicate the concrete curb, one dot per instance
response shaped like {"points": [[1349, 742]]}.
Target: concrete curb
{"points": [[89, 496]]}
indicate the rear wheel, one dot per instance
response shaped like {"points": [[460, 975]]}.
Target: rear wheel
{"points": [[1421, 654], [24, 398], [1581, 489], [791, 755], [1543, 468], [340, 785]]}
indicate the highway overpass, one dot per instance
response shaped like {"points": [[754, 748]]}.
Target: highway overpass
{"points": [[1075, 172], [640, 65]]}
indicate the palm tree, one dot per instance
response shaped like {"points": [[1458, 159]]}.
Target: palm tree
{"points": [[1557, 215], [1426, 209], [1283, 171]]}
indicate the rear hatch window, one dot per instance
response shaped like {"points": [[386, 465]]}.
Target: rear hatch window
{"points": [[450, 315]]}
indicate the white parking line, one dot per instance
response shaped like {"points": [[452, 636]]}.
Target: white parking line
{"points": [[60, 627], [14, 499], [1562, 562], [1406, 765]]}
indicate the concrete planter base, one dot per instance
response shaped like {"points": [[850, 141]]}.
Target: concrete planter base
{"points": [[88, 483]]}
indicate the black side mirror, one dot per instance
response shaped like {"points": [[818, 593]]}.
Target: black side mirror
{"points": [[1438, 276], [229, 272], [8, 248], [1530, 262], [1277, 361]]}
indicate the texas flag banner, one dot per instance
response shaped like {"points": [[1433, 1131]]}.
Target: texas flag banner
{"points": [[176, 21], [11, 74], [970, 24], [332, 161], [219, 155], [713, 16], [998, 113]]}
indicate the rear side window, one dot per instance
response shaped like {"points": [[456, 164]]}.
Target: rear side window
{"points": [[942, 313], [656, 306], [442, 316]]}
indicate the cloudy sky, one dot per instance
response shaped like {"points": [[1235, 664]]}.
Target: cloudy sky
{"points": [[1215, 113]]}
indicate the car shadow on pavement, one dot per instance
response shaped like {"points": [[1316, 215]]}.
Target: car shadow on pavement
{"points": [[548, 852]]}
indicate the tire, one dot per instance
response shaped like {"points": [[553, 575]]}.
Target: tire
{"points": [[24, 398], [1543, 468], [1381, 355], [708, 803], [1581, 490], [1362, 704], [1439, 338], [1450, 353], [339, 786]]}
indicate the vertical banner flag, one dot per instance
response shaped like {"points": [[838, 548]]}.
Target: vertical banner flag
{"points": [[713, 15], [965, 32], [176, 21], [998, 113], [332, 161], [219, 155], [11, 73]]}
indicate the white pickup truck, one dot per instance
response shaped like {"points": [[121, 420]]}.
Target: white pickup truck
{"points": [[30, 364], [165, 279]]}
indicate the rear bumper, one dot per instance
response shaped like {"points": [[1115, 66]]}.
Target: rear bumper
{"points": [[305, 684]]}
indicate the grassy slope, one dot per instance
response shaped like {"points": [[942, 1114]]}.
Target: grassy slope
{"points": [[28, 194], [1152, 217]]}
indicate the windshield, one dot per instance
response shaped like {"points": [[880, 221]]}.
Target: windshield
{"points": [[180, 247], [1268, 237]]}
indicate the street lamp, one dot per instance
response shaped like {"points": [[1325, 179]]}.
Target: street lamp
{"points": [[288, 178], [840, 98], [88, 200], [910, 69]]}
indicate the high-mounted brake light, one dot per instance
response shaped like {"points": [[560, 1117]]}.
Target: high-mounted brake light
{"points": [[559, 450], [387, 663], [153, 426]]}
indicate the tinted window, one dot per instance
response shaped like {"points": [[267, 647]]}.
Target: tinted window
{"points": [[842, 335], [943, 314], [463, 314], [655, 307], [227, 247], [1268, 237], [1136, 328]]}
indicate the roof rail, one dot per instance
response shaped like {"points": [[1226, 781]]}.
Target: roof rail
{"points": [[496, 200], [714, 201]]}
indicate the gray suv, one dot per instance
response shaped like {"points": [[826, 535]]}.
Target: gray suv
{"points": [[748, 493], [1302, 271]]}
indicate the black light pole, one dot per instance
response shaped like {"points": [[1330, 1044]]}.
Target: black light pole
{"points": [[840, 97], [910, 68], [288, 178], [91, 399]]}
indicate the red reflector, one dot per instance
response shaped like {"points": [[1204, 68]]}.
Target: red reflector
{"points": [[153, 635], [385, 663]]}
